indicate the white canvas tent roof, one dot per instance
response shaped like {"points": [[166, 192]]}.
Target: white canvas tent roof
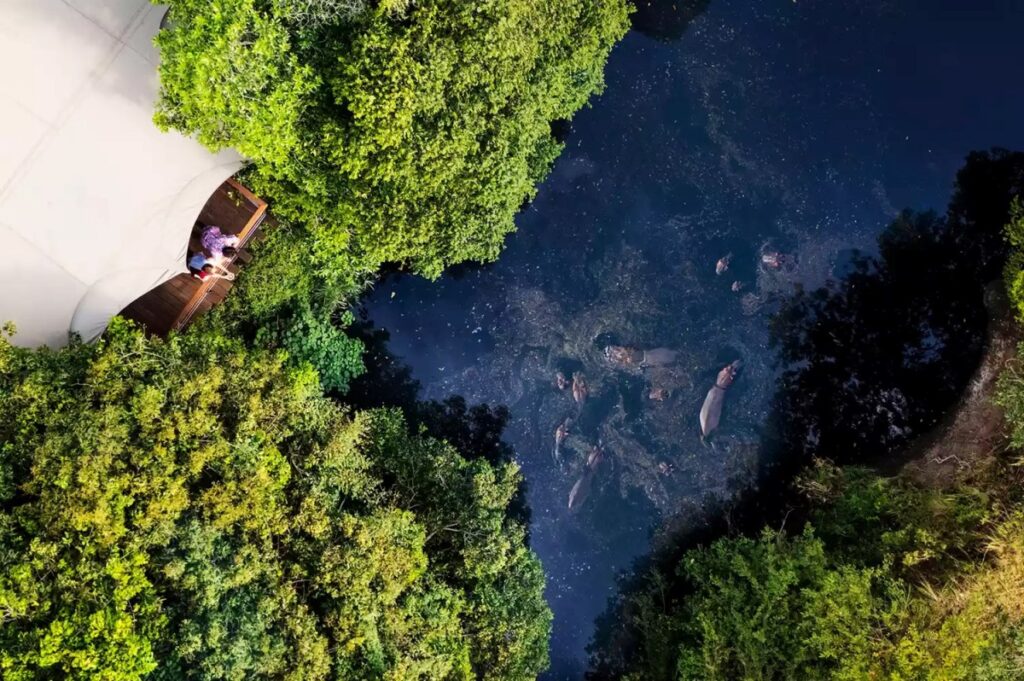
{"points": [[96, 204]]}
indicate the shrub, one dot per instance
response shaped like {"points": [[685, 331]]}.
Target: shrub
{"points": [[311, 338]]}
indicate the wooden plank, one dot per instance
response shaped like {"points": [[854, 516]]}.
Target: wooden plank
{"points": [[178, 301], [192, 307], [246, 192]]}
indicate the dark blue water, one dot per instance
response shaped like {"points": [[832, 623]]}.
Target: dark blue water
{"points": [[772, 126]]}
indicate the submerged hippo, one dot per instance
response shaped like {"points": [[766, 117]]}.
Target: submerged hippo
{"points": [[561, 433], [723, 264], [658, 394], [624, 356], [580, 391], [561, 382], [658, 357], [629, 358], [711, 412], [579, 492], [772, 259]]}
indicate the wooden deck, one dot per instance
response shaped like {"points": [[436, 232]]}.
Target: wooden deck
{"points": [[175, 303]]}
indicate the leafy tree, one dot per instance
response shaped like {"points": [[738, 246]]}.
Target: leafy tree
{"points": [[868, 519], [770, 608], [894, 581], [310, 338], [1013, 273], [393, 131], [189, 509]]}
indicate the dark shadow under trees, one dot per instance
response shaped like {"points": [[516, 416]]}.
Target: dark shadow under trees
{"points": [[867, 364], [666, 20], [475, 431]]}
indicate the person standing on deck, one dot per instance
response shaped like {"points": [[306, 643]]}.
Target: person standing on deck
{"points": [[218, 244]]}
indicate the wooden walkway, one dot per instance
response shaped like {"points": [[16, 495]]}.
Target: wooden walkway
{"points": [[175, 303]]}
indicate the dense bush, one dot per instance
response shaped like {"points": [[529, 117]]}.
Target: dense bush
{"points": [[1013, 273], [314, 339], [189, 509], [393, 131], [899, 583]]}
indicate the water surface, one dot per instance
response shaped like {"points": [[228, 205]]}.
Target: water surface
{"points": [[774, 126]]}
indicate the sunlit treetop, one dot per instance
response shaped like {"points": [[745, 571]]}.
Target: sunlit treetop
{"points": [[395, 131]]}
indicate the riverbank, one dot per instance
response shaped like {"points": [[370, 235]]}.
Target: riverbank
{"points": [[967, 440]]}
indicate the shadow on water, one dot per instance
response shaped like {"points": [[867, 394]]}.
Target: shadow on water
{"points": [[475, 431], [866, 364], [666, 19]]}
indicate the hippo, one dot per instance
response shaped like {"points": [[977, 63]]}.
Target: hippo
{"points": [[561, 382], [623, 356], [629, 358], [658, 357], [578, 493], [723, 264], [711, 411], [580, 490], [772, 260], [658, 394], [560, 434], [580, 391]]}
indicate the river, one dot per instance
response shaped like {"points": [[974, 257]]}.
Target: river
{"points": [[779, 126]]}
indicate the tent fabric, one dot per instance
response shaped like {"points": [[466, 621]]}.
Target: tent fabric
{"points": [[96, 203]]}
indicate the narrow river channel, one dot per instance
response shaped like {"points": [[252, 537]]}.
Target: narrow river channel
{"points": [[790, 127]]}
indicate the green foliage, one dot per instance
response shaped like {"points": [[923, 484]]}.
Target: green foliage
{"points": [[895, 582], [1013, 272], [870, 519], [397, 131], [1010, 396], [278, 278], [310, 338], [316, 13], [770, 608], [189, 509]]}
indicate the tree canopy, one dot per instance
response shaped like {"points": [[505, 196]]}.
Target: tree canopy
{"points": [[394, 131], [888, 581], [189, 509]]}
